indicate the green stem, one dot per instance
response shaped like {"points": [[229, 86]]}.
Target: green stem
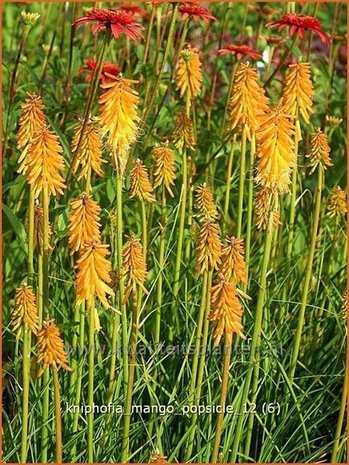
{"points": [[198, 334], [161, 267], [228, 183], [202, 348], [27, 334], [190, 221], [147, 42], [40, 289], [215, 71], [45, 412], [91, 366], [67, 85], [122, 306], [45, 302], [292, 206], [308, 273], [78, 377], [250, 201], [227, 102], [31, 211], [13, 85], [49, 52], [58, 418], [181, 226], [254, 358], [130, 381], [25, 395], [340, 420], [149, 106], [222, 398], [144, 230], [241, 182]]}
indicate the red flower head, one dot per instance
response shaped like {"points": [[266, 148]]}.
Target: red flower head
{"points": [[108, 68], [133, 10], [240, 51], [195, 10], [118, 21], [298, 24]]}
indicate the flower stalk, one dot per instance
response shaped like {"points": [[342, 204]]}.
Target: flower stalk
{"points": [[308, 274]]}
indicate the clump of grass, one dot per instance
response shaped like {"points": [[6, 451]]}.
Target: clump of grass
{"points": [[171, 235]]}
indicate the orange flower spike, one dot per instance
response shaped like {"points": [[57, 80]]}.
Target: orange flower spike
{"points": [[164, 167], [298, 91], [319, 151], [233, 264], [209, 247], [32, 119], [183, 134], [44, 162], [51, 348], [275, 150], [84, 225], [337, 205], [93, 273], [25, 312], [205, 205], [140, 183], [189, 74], [262, 207], [90, 152], [118, 117], [248, 103], [134, 268], [39, 228], [226, 310]]}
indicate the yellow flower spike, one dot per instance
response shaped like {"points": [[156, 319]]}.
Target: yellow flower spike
{"points": [[319, 151], [90, 152], [141, 187], [39, 228], [189, 74], [337, 205], [43, 163], [32, 119], [209, 247], [93, 274], [262, 207], [164, 167], [183, 134], [233, 266], [25, 312], [51, 348], [275, 151], [298, 92], [84, 225], [248, 101], [226, 310], [134, 268], [118, 117], [204, 203]]}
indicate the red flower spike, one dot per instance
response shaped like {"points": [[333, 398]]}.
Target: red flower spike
{"points": [[195, 11], [108, 68], [298, 24], [240, 51], [118, 21]]}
